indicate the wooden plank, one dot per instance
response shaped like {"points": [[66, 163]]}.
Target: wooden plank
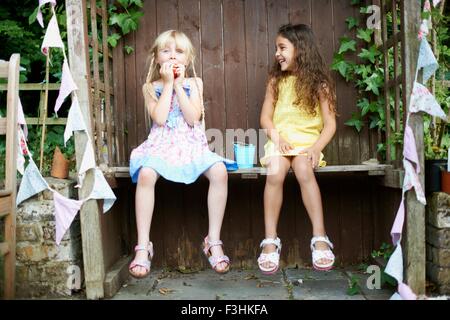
{"points": [[5, 206], [97, 138], [322, 11], [10, 175], [4, 67], [415, 219], [145, 36], [107, 81], [300, 11], [32, 86], [384, 36], [4, 249], [116, 276], [119, 104], [2, 126], [94, 267], [169, 11], [48, 122], [131, 92], [349, 151], [189, 23], [257, 63], [213, 66]]}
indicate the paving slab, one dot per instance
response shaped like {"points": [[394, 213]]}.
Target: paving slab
{"points": [[206, 285]]}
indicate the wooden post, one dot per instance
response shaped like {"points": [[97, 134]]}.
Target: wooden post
{"points": [[94, 266], [415, 211]]}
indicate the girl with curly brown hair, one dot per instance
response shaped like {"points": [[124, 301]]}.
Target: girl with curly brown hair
{"points": [[298, 115]]}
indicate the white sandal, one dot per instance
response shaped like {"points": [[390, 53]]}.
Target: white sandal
{"points": [[322, 254], [272, 257], [146, 264]]}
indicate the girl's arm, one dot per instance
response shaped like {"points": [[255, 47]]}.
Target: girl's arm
{"points": [[158, 109], [328, 131], [266, 121], [190, 106]]}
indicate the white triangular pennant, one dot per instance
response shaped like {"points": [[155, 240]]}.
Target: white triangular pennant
{"points": [[52, 38], [67, 86]]}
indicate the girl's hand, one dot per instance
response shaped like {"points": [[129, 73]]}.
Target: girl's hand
{"points": [[179, 71], [313, 156], [284, 146], [166, 73]]}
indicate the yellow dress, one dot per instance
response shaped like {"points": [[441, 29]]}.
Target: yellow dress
{"points": [[296, 126]]}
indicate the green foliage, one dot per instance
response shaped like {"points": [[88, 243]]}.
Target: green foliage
{"points": [[125, 18], [363, 66], [385, 252], [354, 287]]}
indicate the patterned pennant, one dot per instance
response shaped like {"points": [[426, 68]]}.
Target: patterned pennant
{"points": [[102, 190], [75, 120], [409, 148], [423, 100], [65, 211], [32, 183], [427, 60]]}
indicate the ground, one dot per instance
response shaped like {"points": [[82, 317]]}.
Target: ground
{"points": [[287, 284]]}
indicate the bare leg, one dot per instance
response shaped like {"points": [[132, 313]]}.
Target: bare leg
{"points": [[311, 198], [277, 168], [217, 200], [144, 202]]}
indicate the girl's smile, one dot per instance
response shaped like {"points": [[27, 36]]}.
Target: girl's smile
{"points": [[285, 53]]}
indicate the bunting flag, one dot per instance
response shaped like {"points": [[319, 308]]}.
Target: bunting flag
{"points": [[427, 60], [39, 13], [75, 120], [67, 86], [65, 211], [21, 118], [102, 190], [409, 148], [423, 100], [52, 38], [88, 161], [32, 183], [436, 2]]}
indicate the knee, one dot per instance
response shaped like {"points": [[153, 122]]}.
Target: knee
{"points": [[303, 172], [276, 179], [219, 174], [147, 176]]}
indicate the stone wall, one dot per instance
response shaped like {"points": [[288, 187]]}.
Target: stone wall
{"points": [[44, 269], [438, 241]]}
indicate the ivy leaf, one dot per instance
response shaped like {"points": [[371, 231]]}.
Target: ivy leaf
{"points": [[343, 67], [136, 2], [32, 17], [355, 121], [346, 45], [364, 105], [373, 83], [355, 2], [352, 22], [370, 54], [112, 39], [124, 3], [128, 49], [117, 19], [365, 34]]}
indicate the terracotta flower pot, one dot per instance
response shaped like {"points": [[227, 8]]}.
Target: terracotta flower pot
{"points": [[60, 165], [445, 181]]}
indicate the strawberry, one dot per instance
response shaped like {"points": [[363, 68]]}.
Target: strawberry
{"points": [[174, 69]]}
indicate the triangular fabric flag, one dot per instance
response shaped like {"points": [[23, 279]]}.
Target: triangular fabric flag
{"points": [[397, 227], [52, 38], [405, 292], [426, 60], [65, 211], [22, 150], [436, 2], [395, 296], [21, 118], [102, 190], [412, 180], [423, 100], [67, 86], [394, 267], [32, 183], [409, 148], [88, 161], [75, 120], [39, 13]]}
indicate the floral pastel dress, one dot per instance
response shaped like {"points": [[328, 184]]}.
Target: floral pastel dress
{"points": [[177, 151]]}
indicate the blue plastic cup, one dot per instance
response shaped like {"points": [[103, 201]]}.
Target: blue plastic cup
{"points": [[244, 154]]}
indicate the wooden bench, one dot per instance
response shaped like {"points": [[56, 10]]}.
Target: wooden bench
{"points": [[255, 172]]}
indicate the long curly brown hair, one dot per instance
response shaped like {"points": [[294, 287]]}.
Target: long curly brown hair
{"points": [[312, 76]]}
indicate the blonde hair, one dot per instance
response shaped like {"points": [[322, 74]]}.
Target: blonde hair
{"points": [[181, 41]]}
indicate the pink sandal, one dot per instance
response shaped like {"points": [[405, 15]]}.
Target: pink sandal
{"points": [[215, 260], [142, 263]]}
